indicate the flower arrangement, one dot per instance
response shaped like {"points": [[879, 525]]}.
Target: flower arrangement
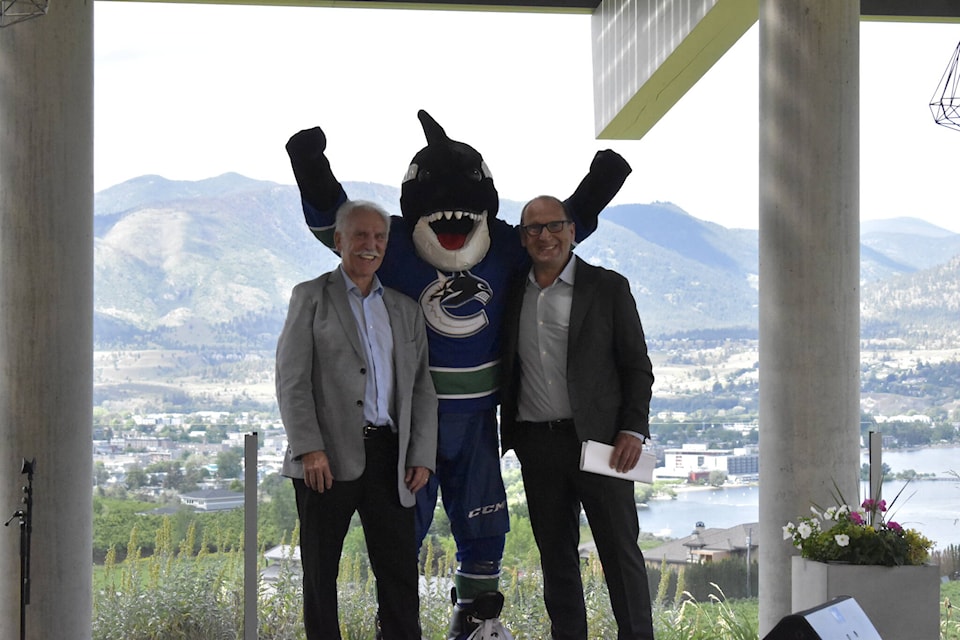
{"points": [[845, 534]]}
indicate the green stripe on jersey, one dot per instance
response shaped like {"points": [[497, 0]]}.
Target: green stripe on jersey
{"points": [[476, 382]]}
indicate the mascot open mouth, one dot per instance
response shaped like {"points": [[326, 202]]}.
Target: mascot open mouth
{"points": [[452, 240], [452, 228]]}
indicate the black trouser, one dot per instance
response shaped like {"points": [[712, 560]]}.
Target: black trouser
{"points": [[388, 529], [555, 489]]}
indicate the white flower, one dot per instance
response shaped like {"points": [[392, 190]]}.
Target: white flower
{"points": [[842, 539], [788, 531], [830, 513], [816, 514], [804, 529]]}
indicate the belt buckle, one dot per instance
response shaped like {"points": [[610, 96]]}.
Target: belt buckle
{"points": [[374, 430]]}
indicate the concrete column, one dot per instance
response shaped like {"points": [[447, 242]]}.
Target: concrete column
{"points": [[809, 272], [46, 316]]}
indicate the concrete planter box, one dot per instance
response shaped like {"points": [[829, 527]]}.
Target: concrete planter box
{"points": [[901, 602]]}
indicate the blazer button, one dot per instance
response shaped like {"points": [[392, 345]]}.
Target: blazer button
{"points": [[359, 403], [363, 370]]}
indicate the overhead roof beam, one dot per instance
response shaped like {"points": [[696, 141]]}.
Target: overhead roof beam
{"points": [[894, 10], [648, 55], [910, 10]]}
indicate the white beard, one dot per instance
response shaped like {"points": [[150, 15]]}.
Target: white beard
{"points": [[466, 257]]}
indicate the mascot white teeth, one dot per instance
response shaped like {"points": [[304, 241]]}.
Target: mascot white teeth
{"points": [[451, 253], [452, 256]]}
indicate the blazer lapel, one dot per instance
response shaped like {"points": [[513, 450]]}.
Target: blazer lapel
{"points": [[337, 294], [584, 291]]}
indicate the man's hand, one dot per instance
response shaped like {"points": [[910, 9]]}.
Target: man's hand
{"points": [[316, 471], [416, 478], [626, 452]]}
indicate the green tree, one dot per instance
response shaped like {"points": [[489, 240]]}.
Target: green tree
{"points": [[228, 463], [277, 511], [100, 473], [136, 478], [885, 471], [520, 549], [717, 478], [663, 588]]}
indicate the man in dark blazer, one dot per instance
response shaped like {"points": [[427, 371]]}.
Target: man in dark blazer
{"points": [[360, 413], [576, 368]]}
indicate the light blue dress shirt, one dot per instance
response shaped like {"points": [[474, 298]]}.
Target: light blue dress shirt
{"points": [[373, 326]]}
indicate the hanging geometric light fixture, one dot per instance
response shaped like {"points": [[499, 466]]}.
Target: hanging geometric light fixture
{"points": [[14, 11], [945, 104]]}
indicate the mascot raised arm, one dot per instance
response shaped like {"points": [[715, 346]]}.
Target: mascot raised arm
{"points": [[450, 252]]}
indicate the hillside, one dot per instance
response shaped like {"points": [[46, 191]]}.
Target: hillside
{"points": [[198, 274]]}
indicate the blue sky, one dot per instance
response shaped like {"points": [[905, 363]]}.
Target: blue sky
{"points": [[193, 91]]}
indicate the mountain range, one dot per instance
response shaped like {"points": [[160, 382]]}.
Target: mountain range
{"points": [[212, 262]]}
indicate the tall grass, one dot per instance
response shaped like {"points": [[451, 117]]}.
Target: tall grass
{"points": [[173, 595]]}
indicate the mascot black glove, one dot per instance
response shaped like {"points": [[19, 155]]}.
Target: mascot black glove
{"points": [[608, 171], [318, 186], [611, 164]]}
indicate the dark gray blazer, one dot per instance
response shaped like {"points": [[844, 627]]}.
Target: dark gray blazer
{"points": [[321, 372], [609, 374]]}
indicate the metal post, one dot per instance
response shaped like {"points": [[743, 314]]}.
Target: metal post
{"points": [[876, 470], [251, 577], [25, 517]]}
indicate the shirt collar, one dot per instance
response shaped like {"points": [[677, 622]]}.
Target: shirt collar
{"points": [[567, 275], [375, 287]]}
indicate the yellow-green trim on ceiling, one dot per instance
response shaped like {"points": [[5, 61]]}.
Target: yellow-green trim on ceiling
{"points": [[706, 43]]}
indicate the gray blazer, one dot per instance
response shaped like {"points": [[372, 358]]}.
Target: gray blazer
{"points": [[321, 371]]}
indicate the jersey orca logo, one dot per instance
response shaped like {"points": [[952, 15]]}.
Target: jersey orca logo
{"points": [[448, 304]]}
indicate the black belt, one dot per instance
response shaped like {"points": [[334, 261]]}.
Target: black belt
{"points": [[552, 425], [376, 430]]}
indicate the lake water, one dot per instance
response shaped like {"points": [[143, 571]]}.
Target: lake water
{"points": [[930, 506]]}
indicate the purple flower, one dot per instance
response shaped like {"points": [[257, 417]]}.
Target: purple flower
{"points": [[895, 526], [856, 518]]}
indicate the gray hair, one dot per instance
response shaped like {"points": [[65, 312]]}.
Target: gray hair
{"points": [[350, 206]]}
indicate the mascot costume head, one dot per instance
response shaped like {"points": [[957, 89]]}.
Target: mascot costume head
{"points": [[448, 199], [449, 252]]}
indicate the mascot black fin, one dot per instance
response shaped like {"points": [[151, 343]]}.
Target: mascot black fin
{"points": [[446, 175], [433, 131]]}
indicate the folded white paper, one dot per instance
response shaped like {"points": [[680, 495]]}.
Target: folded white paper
{"points": [[595, 458]]}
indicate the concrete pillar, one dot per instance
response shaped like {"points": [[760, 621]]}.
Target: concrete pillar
{"points": [[46, 316], [809, 272]]}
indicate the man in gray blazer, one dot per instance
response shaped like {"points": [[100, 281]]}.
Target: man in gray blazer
{"points": [[360, 413], [575, 368]]}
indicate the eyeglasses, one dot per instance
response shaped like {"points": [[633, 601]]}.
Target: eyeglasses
{"points": [[554, 226]]}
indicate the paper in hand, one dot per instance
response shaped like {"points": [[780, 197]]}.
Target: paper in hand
{"points": [[595, 458]]}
